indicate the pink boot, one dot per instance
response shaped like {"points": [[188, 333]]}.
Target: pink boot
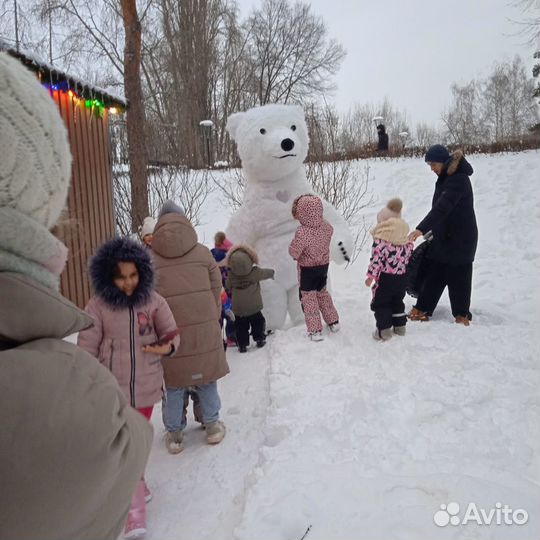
{"points": [[136, 521]]}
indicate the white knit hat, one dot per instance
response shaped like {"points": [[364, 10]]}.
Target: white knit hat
{"points": [[149, 223], [36, 160]]}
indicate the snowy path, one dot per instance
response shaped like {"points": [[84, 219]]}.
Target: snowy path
{"points": [[366, 440]]}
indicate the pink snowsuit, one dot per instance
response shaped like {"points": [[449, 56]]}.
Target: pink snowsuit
{"points": [[310, 247]]}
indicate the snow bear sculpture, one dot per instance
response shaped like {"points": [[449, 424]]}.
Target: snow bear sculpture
{"points": [[272, 143]]}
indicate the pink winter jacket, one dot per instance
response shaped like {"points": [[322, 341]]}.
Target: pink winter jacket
{"points": [[117, 338], [311, 243]]}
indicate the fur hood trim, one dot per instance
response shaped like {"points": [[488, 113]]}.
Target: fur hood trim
{"points": [[455, 158], [248, 249], [103, 265]]}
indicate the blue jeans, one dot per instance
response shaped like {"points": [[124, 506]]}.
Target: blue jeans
{"points": [[173, 406]]}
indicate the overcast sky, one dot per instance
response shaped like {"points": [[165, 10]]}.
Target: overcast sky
{"points": [[412, 50]]}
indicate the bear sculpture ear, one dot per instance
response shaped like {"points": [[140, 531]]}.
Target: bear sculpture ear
{"points": [[233, 123]]}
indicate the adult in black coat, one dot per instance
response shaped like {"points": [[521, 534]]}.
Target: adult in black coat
{"points": [[383, 137], [455, 236]]}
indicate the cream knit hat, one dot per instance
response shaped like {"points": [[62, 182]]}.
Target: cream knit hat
{"points": [[36, 161], [391, 210]]}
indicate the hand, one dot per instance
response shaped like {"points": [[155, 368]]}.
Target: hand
{"points": [[368, 282], [415, 234], [162, 350], [229, 314]]}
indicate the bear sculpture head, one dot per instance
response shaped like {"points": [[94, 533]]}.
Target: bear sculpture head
{"points": [[272, 140]]}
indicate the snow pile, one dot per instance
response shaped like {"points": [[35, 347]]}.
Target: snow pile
{"points": [[367, 440]]}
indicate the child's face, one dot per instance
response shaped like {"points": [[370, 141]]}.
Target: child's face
{"points": [[127, 277]]}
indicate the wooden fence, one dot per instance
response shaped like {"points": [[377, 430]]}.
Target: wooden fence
{"points": [[90, 218]]}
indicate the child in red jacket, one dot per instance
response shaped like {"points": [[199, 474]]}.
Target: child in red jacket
{"points": [[310, 247]]}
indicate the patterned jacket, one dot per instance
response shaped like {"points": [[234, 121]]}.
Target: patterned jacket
{"points": [[311, 243], [388, 258]]}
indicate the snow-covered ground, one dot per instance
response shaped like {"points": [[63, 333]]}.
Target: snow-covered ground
{"points": [[366, 440]]}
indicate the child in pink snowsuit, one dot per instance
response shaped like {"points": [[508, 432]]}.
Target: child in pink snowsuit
{"points": [[387, 270], [133, 329], [310, 247]]}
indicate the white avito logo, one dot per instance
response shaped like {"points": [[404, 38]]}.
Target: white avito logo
{"points": [[499, 515]]}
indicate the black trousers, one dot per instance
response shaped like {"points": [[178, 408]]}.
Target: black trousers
{"points": [[313, 278], [458, 279], [257, 322], [387, 304]]}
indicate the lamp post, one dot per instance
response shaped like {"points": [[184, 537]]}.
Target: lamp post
{"points": [[206, 126]]}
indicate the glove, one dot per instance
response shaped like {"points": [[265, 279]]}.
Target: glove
{"points": [[229, 314]]}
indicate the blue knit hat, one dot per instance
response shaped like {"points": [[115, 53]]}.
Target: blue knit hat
{"points": [[437, 154]]}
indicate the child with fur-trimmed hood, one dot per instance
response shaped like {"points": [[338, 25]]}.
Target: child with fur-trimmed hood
{"points": [[390, 253], [243, 281], [133, 329], [310, 248]]}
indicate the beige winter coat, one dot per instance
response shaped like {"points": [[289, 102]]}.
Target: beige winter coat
{"points": [[189, 279], [71, 449]]}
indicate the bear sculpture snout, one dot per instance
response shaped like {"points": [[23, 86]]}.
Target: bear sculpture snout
{"points": [[287, 145]]}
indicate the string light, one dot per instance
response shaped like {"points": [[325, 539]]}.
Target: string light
{"points": [[95, 105]]}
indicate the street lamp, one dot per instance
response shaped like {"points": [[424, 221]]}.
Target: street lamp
{"points": [[206, 126]]}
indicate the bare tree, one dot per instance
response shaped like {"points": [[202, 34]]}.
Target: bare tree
{"points": [[462, 120], [291, 56], [136, 118], [426, 135], [495, 101], [508, 108], [522, 110], [187, 187], [536, 72], [529, 24], [231, 186]]}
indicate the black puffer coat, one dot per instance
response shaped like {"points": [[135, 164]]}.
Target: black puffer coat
{"points": [[452, 218]]}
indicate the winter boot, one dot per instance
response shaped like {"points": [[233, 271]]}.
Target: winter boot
{"points": [[215, 431], [261, 343], [400, 330], [382, 335], [136, 521], [465, 321], [334, 327], [242, 348], [173, 441], [316, 336], [417, 315], [147, 492]]}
